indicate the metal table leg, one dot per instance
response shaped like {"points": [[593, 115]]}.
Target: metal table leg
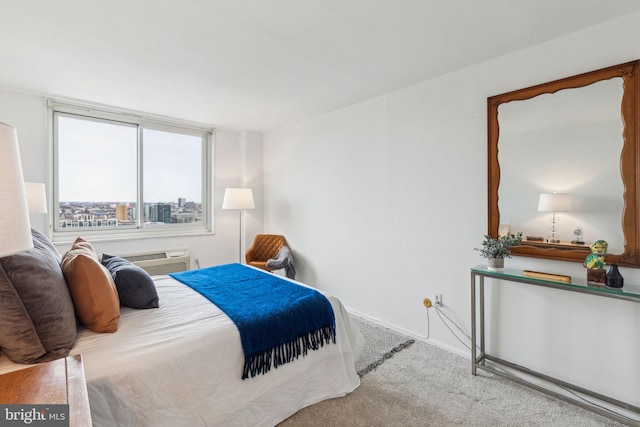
{"points": [[481, 298], [473, 323]]}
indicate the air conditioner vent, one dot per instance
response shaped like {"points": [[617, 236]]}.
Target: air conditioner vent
{"points": [[162, 262], [147, 257]]}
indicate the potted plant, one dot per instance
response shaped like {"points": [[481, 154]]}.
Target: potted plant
{"points": [[496, 249]]}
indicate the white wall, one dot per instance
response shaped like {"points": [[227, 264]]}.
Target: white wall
{"points": [[384, 201], [237, 162]]}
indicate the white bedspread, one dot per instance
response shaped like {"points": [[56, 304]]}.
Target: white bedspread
{"points": [[181, 365]]}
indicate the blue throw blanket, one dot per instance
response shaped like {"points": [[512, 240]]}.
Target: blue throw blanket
{"points": [[278, 320]]}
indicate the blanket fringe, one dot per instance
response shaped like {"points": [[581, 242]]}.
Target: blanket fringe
{"points": [[261, 363]]}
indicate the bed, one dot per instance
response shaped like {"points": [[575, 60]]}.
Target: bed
{"points": [[180, 365]]}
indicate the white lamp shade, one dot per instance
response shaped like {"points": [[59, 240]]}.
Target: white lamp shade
{"points": [[15, 228], [554, 202], [238, 198], [36, 197]]}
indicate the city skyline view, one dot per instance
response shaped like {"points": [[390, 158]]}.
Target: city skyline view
{"points": [[114, 214]]}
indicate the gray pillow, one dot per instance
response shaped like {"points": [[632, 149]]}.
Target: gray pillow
{"points": [[135, 287], [37, 318]]}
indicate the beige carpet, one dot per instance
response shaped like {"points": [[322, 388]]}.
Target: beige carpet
{"points": [[423, 385], [381, 344]]}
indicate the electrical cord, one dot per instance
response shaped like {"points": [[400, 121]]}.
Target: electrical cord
{"points": [[441, 313], [428, 325]]}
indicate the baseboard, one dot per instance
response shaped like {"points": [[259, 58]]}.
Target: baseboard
{"points": [[463, 353], [384, 324]]}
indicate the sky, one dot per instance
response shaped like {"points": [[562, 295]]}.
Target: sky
{"points": [[98, 163]]}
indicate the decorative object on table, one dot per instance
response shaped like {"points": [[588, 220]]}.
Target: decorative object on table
{"points": [[240, 199], [534, 238], [496, 249], [554, 203], [547, 276], [596, 274], [577, 236], [614, 278]]}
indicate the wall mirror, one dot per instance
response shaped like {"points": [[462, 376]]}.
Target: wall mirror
{"points": [[578, 137]]}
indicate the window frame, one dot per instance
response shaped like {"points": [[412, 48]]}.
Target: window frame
{"points": [[141, 121]]}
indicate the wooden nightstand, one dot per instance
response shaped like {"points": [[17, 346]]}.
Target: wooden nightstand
{"points": [[57, 382]]}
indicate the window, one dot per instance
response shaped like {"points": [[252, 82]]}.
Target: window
{"points": [[117, 174]]}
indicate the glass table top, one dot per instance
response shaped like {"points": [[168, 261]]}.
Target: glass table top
{"points": [[577, 283]]}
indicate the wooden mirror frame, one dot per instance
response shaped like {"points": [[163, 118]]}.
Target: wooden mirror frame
{"points": [[629, 163]]}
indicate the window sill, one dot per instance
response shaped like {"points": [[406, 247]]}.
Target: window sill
{"points": [[68, 237]]}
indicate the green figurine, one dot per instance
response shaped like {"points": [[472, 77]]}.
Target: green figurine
{"points": [[595, 260]]}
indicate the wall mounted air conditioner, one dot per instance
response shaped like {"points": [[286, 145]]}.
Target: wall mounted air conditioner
{"points": [[161, 262]]}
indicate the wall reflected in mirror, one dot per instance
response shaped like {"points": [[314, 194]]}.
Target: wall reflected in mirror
{"points": [[567, 142]]}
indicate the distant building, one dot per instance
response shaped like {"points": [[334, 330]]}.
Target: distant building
{"points": [[181, 202], [160, 212], [164, 213], [122, 213]]}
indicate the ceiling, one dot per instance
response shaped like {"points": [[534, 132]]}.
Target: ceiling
{"points": [[260, 64]]}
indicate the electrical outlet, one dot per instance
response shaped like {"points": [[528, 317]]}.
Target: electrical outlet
{"points": [[438, 300]]}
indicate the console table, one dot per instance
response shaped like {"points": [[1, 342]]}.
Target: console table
{"points": [[481, 360]]}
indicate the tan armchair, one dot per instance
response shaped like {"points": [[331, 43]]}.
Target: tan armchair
{"points": [[263, 248]]}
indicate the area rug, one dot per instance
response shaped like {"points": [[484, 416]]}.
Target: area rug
{"points": [[381, 344]]}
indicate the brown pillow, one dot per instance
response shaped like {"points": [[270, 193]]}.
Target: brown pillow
{"points": [[93, 291], [37, 321]]}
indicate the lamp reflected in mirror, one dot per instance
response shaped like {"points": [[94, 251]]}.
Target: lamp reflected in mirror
{"points": [[554, 203]]}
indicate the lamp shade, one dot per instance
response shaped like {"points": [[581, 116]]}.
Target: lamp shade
{"points": [[238, 198], [36, 197], [554, 202], [15, 228]]}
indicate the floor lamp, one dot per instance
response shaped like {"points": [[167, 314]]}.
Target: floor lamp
{"points": [[239, 199], [15, 228]]}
